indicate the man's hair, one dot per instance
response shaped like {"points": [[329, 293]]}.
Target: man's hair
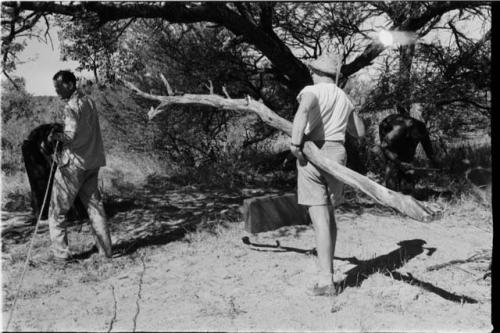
{"points": [[66, 76]]}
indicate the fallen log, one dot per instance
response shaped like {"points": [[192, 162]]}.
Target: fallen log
{"points": [[405, 204]]}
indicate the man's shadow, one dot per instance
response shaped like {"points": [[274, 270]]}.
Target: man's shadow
{"points": [[161, 233], [163, 236], [386, 264], [129, 246]]}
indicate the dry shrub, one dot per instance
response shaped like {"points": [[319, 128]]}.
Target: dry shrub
{"points": [[477, 151], [127, 170], [124, 171], [15, 191]]}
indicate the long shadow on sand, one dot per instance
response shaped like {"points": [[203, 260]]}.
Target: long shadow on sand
{"points": [[157, 218], [21, 232], [386, 264], [147, 218], [129, 246], [389, 263]]}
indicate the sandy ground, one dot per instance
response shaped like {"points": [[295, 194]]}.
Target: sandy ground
{"points": [[207, 279]]}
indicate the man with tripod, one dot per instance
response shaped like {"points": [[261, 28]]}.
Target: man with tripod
{"points": [[78, 167]]}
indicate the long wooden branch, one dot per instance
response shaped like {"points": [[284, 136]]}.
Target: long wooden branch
{"points": [[403, 203]]}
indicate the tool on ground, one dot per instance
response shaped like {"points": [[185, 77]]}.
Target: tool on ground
{"points": [[280, 248]]}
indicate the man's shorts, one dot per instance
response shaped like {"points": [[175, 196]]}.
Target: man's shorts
{"points": [[316, 187]]}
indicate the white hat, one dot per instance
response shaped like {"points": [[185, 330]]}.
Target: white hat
{"points": [[326, 63]]}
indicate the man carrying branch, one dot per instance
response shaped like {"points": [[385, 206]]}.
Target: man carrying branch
{"points": [[324, 115]]}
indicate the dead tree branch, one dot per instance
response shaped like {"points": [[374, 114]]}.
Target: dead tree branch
{"points": [[474, 258], [170, 92], [210, 87], [403, 203], [224, 90]]}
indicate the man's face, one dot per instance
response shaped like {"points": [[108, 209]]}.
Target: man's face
{"points": [[64, 89]]}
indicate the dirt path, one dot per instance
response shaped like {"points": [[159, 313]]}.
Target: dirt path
{"points": [[207, 279]]}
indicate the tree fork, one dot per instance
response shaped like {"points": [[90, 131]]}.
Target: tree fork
{"points": [[403, 203]]}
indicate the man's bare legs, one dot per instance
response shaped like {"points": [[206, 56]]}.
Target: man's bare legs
{"points": [[325, 230]]}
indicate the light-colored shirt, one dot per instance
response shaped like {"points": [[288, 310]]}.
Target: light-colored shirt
{"points": [[81, 127], [328, 120]]}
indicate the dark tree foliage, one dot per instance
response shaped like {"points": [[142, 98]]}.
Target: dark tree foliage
{"points": [[259, 49], [195, 59], [452, 83], [93, 46], [16, 101], [255, 23]]}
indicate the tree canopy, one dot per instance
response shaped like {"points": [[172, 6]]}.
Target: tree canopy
{"points": [[257, 23], [260, 48]]}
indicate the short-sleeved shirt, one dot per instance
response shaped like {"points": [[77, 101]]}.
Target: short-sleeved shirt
{"points": [[328, 120], [81, 123]]}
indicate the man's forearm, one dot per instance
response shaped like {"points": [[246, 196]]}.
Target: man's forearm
{"points": [[299, 125]]}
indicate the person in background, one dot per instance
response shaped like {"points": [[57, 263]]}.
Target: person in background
{"points": [[399, 138]]}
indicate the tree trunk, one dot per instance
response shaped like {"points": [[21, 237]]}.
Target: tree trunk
{"points": [[403, 203], [96, 78], [404, 89]]}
